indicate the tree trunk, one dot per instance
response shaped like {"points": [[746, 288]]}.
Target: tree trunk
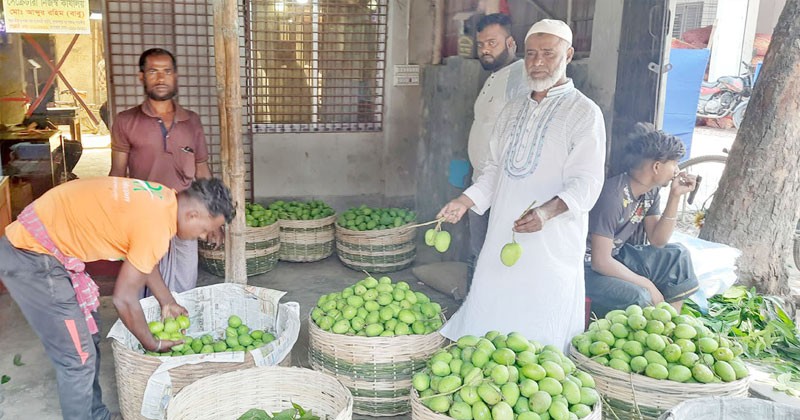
{"points": [[756, 205], [229, 99]]}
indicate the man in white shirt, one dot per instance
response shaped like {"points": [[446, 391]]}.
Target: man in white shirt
{"points": [[546, 163], [497, 53]]}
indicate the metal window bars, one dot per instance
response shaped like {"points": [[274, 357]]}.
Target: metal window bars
{"points": [[316, 65]]}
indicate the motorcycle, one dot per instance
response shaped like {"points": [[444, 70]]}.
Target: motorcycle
{"points": [[727, 96]]}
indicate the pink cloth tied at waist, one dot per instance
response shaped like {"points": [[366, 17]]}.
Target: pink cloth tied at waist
{"points": [[86, 291]]}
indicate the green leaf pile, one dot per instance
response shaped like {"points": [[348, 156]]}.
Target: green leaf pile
{"points": [[760, 324], [295, 413]]}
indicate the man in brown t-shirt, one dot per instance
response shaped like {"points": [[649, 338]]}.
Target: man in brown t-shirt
{"points": [[162, 142]]}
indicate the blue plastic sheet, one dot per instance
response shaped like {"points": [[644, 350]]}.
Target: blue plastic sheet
{"points": [[683, 93]]}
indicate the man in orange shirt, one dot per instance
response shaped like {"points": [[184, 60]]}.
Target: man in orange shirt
{"points": [[42, 260]]}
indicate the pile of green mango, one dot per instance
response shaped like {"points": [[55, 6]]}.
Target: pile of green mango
{"points": [[238, 337], [377, 307], [366, 218], [301, 210], [504, 377], [658, 342], [257, 216]]}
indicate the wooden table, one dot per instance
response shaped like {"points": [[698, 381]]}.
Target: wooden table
{"points": [[50, 137], [66, 116]]}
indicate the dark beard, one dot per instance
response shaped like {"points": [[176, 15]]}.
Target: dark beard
{"points": [[165, 97], [502, 60]]}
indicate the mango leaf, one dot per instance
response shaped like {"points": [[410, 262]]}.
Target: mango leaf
{"points": [[308, 416], [299, 409], [254, 414], [18, 360], [735, 292], [5, 379], [287, 414]]}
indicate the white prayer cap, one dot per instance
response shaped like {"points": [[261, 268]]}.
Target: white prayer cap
{"points": [[552, 27]]}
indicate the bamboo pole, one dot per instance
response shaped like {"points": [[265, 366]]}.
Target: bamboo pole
{"points": [[438, 31], [229, 99]]}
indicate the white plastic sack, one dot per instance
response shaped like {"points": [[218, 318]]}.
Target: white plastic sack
{"points": [[714, 265], [730, 408], [209, 308]]}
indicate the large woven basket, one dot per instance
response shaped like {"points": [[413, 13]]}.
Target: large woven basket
{"points": [[633, 396], [262, 248], [229, 395], [377, 370], [377, 251], [133, 370], [420, 412], [306, 240]]}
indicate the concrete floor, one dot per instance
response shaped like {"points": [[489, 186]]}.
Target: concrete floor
{"points": [[32, 393]]}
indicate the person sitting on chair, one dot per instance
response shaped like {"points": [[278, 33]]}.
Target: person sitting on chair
{"points": [[617, 273]]}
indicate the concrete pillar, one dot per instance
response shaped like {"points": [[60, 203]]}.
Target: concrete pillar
{"points": [[448, 96], [732, 38], [601, 72]]}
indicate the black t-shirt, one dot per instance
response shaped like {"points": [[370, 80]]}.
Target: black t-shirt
{"points": [[617, 213]]}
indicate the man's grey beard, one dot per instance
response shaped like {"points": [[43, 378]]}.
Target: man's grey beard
{"points": [[542, 85]]}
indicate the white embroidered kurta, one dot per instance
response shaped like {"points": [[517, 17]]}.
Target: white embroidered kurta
{"points": [[538, 151], [501, 86]]}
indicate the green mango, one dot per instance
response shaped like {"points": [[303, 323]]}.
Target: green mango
{"points": [[510, 253]]}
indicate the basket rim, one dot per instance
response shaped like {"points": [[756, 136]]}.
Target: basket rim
{"points": [[390, 231], [268, 372]]}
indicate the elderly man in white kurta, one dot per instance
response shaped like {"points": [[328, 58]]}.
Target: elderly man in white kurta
{"points": [[548, 147]]}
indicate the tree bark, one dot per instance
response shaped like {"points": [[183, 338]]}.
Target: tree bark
{"points": [[756, 205], [229, 99]]}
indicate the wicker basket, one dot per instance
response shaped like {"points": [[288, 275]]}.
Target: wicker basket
{"points": [[377, 370], [229, 395], [262, 247], [133, 370], [634, 396], [420, 412], [306, 240], [377, 251], [142, 394]]}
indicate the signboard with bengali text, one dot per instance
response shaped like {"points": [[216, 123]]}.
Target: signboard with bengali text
{"points": [[47, 16]]}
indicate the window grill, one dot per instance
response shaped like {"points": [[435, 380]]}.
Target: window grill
{"points": [[688, 16], [186, 28], [316, 65]]}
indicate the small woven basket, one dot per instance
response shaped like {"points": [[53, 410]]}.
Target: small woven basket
{"points": [[133, 370], [633, 396], [377, 251], [306, 240], [377, 370], [229, 395], [420, 412], [262, 248]]}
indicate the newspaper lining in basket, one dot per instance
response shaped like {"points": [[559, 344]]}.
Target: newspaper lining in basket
{"points": [[209, 308]]}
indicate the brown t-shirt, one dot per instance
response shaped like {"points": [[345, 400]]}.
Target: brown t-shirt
{"points": [[167, 155]]}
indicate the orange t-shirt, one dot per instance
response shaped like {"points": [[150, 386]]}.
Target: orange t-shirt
{"points": [[105, 218]]}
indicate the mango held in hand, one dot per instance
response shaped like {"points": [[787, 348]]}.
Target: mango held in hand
{"points": [[510, 253], [442, 241], [430, 236]]}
